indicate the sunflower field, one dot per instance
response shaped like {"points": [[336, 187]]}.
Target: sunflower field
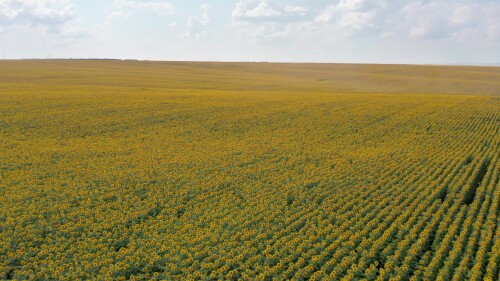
{"points": [[126, 170]]}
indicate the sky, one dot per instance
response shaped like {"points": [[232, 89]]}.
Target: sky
{"points": [[338, 31]]}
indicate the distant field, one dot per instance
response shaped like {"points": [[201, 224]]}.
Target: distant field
{"points": [[110, 77], [123, 170]]}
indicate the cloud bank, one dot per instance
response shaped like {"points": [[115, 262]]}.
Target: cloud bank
{"points": [[282, 30], [50, 14], [160, 8], [461, 21]]}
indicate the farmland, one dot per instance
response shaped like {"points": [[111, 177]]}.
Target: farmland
{"points": [[128, 170]]}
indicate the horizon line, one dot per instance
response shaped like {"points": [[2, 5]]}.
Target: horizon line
{"points": [[259, 61]]}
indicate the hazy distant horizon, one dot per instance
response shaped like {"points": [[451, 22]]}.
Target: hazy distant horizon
{"points": [[277, 62]]}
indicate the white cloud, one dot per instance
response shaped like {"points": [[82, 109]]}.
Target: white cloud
{"points": [[160, 8], [196, 25], [327, 15], [34, 13], [296, 9], [351, 14], [427, 20], [418, 20], [351, 5], [73, 31], [357, 20], [464, 15], [54, 17], [115, 15], [391, 23], [460, 22], [258, 20], [262, 11]]}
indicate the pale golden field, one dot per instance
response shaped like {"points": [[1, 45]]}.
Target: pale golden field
{"points": [[128, 170]]}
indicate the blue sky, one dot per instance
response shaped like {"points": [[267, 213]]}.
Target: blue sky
{"points": [[385, 31]]}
